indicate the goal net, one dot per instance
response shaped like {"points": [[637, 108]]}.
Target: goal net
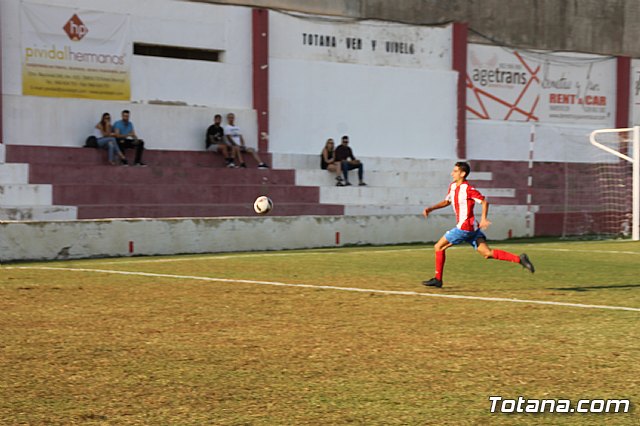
{"points": [[618, 175], [597, 200]]}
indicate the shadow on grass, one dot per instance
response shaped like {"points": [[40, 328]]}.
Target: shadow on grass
{"points": [[596, 287]]}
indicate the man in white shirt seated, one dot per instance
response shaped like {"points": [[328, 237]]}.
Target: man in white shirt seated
{"points": [[234, 137]]}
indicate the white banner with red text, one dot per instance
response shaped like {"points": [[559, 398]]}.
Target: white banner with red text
{"points": [[527, 86]]}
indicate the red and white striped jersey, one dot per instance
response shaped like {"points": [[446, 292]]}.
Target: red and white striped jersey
{"points": [[463, 198]]}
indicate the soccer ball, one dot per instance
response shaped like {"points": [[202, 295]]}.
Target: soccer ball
{"points": [[263, 204]]}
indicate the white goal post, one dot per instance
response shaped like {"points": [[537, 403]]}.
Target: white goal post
{"points": [[634, 159]]}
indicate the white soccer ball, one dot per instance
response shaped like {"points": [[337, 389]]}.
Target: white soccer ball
{"points": [[263, 204]]}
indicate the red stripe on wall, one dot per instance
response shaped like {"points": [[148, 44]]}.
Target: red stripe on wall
{"points": [[459, 41], [260, 48], [623, 89]]}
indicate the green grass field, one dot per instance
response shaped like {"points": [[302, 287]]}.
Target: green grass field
{"points": [[285, 338]]}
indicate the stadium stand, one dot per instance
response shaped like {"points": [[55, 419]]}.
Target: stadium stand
{"points": [[66, 183], [395, 185], [175, 184]]}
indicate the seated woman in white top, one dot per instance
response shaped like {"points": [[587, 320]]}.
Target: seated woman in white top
{"points": [[106, 139]]}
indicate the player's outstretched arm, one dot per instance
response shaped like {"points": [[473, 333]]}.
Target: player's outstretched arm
{"points": [[441, 204], [484, 222]]}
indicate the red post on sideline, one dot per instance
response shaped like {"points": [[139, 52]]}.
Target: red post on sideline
{"points": [[130, 246], [337, 238]]}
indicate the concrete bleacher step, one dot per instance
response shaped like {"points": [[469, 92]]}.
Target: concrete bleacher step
{"points": [[395, 186], [174, 184], [38, 213], [312, 162], [14, 173], [79, 155], [195, 158], [23, 194], [406, 209], [203, 210], [357, 195], [417, 179], [96, 174], [184, 194], [20, 200], [382, 209], [196, 184]]}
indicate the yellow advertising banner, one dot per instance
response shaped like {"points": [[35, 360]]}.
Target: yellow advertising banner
{"points": [[71, 53]]}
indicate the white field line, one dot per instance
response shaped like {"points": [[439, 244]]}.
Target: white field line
{"points": [[261, 254], [586, 251], [329, 287], [333, 252]]}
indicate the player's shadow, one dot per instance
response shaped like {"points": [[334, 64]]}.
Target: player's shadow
{"points": [[596, 287]]}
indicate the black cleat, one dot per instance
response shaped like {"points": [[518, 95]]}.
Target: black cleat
{"points": [[433, 282], [526, 263]]}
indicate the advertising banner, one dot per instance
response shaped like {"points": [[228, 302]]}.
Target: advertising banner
{"points": [[73, 53], [511, 85]]}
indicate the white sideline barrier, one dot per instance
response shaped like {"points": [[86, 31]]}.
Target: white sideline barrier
{"points": [[21, 241]]}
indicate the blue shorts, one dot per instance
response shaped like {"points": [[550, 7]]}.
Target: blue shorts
{"points": [[456, 236]]}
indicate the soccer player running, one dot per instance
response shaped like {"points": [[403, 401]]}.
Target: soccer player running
{"points": [[464, 196]]}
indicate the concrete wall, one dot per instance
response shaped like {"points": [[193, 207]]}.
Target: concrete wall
{"points": [[389, 87], [161, 126], [159, 86], [608, 27], [409, 113], [106, 238], [226, 83], [313, 96], [393, 105], [509, 141]]}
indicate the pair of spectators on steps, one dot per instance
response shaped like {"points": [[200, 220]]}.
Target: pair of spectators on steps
{"points": [[340, 160], [117, 138], [229, 142]]}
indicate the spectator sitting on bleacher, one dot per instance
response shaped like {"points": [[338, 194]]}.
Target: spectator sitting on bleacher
{"points": [[127, 138], [234, 137], [344, 155], [328, 162], [105, 139], [215, 140]]}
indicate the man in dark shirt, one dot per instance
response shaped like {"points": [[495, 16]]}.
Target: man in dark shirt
{"points": [[216, 141], [348, 161]]}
